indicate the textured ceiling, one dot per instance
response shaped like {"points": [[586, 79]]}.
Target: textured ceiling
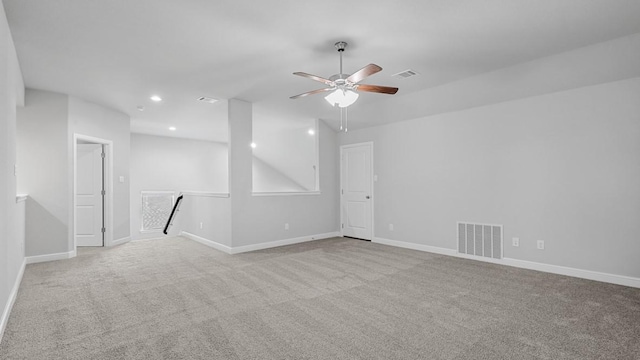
{"points": [[119, 52]]}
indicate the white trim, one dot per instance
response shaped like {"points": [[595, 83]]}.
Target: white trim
{"points": [[204, 194], [373, 190], [579, 273], [147, 239], [50, 257], [523, 264], [207, 242], [11, 300], [286, 193], [261, 246], [21, 198], [316, 125], [413, 246], [108, 181], [276, 243], [120, 241], [150, 231]]}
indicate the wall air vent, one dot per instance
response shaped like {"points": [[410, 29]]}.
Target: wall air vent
{"points": [[405, 74], [480, 240], [207, 99]]}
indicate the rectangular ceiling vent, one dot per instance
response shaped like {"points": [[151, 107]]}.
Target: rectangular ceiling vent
{"points": [[207, 99], [480, 240], [405, 74]]}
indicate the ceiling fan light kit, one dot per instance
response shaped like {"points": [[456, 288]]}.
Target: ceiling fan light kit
{"points": [[344, 89], [342, 98]]}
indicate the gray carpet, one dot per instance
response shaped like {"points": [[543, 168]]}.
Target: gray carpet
{"points": [[329, 299]]}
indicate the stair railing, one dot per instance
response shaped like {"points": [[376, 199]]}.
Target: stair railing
{"points": [[174, 212]]}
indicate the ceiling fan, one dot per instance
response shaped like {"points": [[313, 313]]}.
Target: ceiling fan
{"points": [[343, 88]]}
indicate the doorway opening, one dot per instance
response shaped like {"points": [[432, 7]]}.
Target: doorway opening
{"points": [[92, 191]]}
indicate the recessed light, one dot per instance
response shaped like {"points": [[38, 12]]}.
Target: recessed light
{"points": [[156, 98], [172, 128], [311, 132], [253, 145]]}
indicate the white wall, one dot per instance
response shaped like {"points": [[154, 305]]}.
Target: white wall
{"points": [[561, 167], [213, 212], [90, 119], [268, 179], [161, 163], [45, 157], [613, 60], [261, 219], [285, 155], [44, 165], [11, 95]]}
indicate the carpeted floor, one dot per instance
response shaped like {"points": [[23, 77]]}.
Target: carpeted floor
{"points": [[329, 299]]}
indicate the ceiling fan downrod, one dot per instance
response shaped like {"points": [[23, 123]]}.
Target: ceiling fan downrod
{"points": [[340, 45]]}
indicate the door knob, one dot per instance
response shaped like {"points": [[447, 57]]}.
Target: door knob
{"points": [[368, 197]]}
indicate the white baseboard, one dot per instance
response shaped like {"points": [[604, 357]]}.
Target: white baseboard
{"points": [[261, 246], [50, 257], [207, 242], [11, 300], [276, 243], [579, 273], [412, 246], [120, 241], [523, 264]]}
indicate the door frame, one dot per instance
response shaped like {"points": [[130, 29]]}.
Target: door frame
{"points": [[108, 185], [373, 198]]}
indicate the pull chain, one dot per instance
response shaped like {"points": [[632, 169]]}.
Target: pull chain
{"points": [[346, 119]]}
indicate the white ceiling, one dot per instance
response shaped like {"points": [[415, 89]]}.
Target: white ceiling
{"points": [[119, 52]]}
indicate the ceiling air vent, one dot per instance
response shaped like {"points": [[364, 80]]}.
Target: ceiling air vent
{"points": [[207, 99], [405, 74]]}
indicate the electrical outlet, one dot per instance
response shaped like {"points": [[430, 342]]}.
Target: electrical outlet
{"points": [[390, 227], [286, 226], [540, 244], [515, 242], [200, 225]]}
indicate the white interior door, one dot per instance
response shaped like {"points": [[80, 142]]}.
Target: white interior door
{"points": [[89, 196], [356, 192]]}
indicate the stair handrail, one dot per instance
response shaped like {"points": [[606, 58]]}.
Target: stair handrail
{"points": [[176, 208]]}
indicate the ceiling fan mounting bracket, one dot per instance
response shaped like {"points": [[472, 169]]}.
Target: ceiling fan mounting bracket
{"points": [[341, 45]]}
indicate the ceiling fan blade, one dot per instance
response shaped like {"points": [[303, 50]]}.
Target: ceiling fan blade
{"points": [[310, 93], [314, 77], [363, 73], [377, 89]]}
